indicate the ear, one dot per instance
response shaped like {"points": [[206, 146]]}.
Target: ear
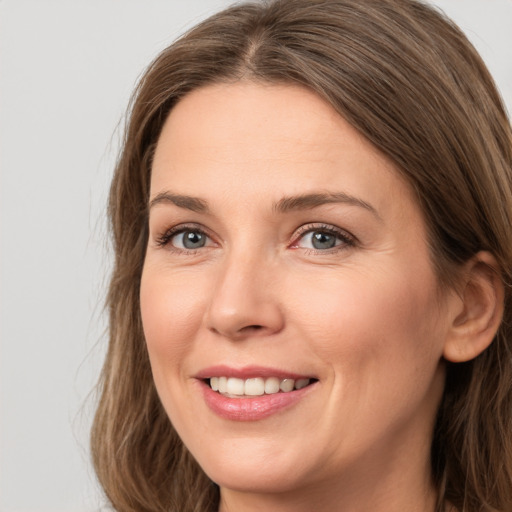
{"points": [[479, 310]]}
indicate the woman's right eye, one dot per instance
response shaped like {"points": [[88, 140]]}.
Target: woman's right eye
{"points": [[189, 240], [185, 239]]}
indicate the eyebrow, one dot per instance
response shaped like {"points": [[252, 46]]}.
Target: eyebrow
{"points": [[284, 205], [194, 204], [310, 201]]}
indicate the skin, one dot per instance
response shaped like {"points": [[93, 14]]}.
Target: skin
{"points": [[367, 318]]}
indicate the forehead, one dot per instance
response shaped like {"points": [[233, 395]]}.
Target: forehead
{"points": [[250, 114], [266, 141]]}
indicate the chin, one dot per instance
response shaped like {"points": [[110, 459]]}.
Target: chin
{"points": [[252, 470], [258, 480]]}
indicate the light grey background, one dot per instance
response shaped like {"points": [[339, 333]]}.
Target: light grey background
{"points": [[67, 68]]}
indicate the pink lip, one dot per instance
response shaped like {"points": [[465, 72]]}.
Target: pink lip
{"points": [[248, 372], [254, 408]]}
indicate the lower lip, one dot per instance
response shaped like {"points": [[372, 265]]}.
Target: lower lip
{"points": [[251, 409]]}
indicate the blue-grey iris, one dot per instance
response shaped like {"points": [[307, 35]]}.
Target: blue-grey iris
{"points": [[322, 240], [193, 240]]}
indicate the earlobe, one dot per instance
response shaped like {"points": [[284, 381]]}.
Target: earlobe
{"points": [[481, 309]]}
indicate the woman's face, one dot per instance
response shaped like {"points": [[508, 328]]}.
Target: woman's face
{"points": [[286, 251]]}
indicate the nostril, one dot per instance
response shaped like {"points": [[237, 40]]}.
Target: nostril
{"points": [[252, 328]]}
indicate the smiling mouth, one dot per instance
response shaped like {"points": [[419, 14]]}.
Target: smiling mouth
{"points": [[233, 387]]}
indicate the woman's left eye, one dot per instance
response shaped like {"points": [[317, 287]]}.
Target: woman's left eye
{"points": [[323, 238]]}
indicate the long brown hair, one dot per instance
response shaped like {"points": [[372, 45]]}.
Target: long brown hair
{"points": [[412, 84]]}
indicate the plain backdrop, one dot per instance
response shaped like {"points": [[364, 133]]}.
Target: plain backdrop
{"points": [[67, 68]]}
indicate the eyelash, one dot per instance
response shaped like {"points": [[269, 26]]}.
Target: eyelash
{"points": [[346, 238]]}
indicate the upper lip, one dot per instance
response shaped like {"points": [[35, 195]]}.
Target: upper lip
{"points": [[247, 372]]}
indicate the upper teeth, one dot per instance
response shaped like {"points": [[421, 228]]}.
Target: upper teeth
{"points": [[256, 386]]}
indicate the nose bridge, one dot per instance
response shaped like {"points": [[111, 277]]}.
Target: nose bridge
{"points": [[243, 302]]}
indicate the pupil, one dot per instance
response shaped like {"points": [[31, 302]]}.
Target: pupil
{"points": [[193, 240], [323, 240]]}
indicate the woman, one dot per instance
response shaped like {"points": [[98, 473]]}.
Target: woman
{"points": [[310, 307]]}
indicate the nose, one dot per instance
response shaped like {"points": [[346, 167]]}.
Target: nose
{"points": [[245, 300]]}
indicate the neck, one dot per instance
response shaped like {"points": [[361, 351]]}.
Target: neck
{"points": [[397, 484], [329, 501]]}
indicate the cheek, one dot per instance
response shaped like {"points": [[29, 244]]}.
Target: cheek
{"points": [[171, 310], [379, 321], [379, 337]]}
